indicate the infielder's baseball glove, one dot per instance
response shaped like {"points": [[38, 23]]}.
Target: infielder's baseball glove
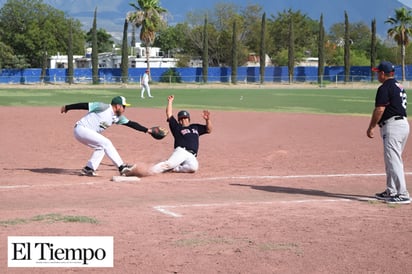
{"points": [[159, 132]]}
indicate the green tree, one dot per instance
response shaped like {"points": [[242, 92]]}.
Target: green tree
{"points": [[174, 38], [262, 51], [125, 55], [390, 52], [359, 58], [222, 19], [359, 32], [219, 33], [176, 41], [195, 43], [291, 51], [95, 56], [234, 52], [400, 31], [205, 52], [346, 47], [104, 40], [133, 40], [220, 24], [306, 35], [148, 15], [373, 47], [250, 19], [321, 51], [334, 54], [359, 41], [171, 76], [70, 69], [7, 57], [34, 31]]}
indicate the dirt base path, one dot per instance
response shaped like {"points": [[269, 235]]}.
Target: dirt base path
{"points": [[275, 193]]}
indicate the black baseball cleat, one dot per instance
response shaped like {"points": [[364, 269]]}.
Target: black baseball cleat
{"points": [[125, 168], [383, 196], [87, 171], [398, 200]]}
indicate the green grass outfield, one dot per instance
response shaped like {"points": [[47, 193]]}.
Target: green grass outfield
{"points": [[317, 100]]}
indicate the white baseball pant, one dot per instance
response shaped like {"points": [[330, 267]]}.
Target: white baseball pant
{"points": [[180, 161], [101, 145]]}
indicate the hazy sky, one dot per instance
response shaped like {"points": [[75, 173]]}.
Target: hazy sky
{"points": [[406, 3], [111, 13]]}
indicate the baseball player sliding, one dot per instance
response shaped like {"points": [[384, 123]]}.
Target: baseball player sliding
{"points": [[89, 128], [186, 141]]}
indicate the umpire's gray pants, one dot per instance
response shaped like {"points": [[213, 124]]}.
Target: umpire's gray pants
{"points": [[394, 135]]}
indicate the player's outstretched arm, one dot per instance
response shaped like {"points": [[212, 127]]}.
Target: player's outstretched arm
{"points": [[138, 127], [66, 108]]}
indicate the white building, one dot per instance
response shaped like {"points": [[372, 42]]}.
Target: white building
{"points": [[253, 60], [60, 61], [309, 62], [112, 60]]}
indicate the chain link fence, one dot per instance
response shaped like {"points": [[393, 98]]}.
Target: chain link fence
{"points": [[241, 79], [246, 76]]}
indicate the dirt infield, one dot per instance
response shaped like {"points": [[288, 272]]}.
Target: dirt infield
{"points": [[275, 193]]}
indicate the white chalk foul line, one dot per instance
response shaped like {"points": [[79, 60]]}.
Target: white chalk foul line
{"points": [[290, 176], [45, 185], [165, 209], [263, 177]]}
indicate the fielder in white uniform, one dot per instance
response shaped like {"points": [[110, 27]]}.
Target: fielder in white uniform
{"points": [[89, 128], [145, 85], [186, 143]]}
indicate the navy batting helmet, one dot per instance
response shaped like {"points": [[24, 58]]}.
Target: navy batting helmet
{"points": [[183, 114]]}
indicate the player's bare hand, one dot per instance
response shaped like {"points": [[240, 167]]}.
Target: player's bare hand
{"points": [[369, 133], [63, 109], [206, 115], [171, 98]]}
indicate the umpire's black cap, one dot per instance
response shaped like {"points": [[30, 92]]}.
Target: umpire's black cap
{"points": [[385, 66]]}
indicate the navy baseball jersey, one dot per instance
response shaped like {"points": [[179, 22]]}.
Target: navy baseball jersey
{"points": [[392, 96], [186, 137]]}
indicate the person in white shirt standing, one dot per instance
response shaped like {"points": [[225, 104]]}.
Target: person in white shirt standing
{"points": [[145, 85], [88, 131]]}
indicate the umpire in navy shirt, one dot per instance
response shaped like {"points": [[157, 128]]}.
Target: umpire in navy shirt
{"points": [[390, 115]]}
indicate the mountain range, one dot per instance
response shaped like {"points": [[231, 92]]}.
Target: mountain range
{"points": [[111, 13]]}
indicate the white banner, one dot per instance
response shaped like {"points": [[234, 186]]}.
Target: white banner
{"points": [[53, 251]]}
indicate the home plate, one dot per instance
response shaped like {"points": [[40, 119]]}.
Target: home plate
{"points": [[125, 179]]}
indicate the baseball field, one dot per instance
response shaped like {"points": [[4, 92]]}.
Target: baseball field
{"points": [[285, 184]]}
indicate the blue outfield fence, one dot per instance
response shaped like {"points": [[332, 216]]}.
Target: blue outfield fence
{"points": [[194, 75]]}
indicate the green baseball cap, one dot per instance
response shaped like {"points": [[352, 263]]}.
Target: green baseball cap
{"points": [[120, 100]]}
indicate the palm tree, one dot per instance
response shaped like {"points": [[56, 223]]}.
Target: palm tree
{"points": [[400, 31], [149, 16]]}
